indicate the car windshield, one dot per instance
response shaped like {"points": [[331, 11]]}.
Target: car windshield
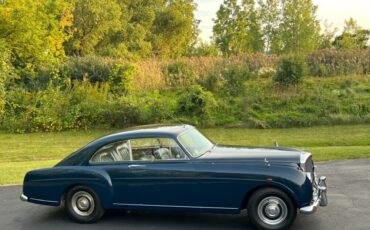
{"points": [[195, 142]]}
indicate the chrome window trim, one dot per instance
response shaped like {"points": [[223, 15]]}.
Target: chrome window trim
{"points": [[92, 163]]}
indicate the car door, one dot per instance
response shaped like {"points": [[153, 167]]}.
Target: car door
{"points": [[157, 174]]}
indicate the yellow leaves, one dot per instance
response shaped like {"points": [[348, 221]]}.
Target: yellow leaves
{"points": [[66, 19]]}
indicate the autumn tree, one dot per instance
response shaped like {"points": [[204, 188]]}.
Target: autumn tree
{"points": [[93, 21], [34, 31]]}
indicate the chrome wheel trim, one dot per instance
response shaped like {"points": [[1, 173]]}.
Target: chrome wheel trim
{"points": [[272, 210], [83, 203]]}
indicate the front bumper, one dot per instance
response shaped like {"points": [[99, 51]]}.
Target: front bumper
{"points": [[319, 197]]}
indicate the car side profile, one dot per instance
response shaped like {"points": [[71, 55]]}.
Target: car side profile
{"points": [[176, 168]]}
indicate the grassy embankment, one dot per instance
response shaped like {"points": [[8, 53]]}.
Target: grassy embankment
{"points": [[20, 153]]}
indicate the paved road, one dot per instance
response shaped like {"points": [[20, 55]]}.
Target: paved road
{"points": [[349, 208]]}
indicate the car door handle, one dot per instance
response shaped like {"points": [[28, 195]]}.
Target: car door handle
{"points": [[136, 166]]}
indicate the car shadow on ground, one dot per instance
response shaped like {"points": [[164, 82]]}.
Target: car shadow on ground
{"points": [[116, 219]]}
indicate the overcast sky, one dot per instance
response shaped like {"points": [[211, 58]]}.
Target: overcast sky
{"points": [[335, 11]]}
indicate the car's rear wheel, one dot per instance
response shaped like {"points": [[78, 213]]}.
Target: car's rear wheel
{"points": [[83, 205], [271, 209]]}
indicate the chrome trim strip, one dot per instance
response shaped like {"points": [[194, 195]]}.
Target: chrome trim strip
{"points": [[47, 201], [173, 206]]}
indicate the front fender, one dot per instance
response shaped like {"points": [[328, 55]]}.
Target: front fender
{"points": [[47, 186]]}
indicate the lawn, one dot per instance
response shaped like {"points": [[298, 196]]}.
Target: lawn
{"points": [[20, 153]]}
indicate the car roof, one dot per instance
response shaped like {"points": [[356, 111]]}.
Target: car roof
{"points": [[170, 130], [174, 129], [165, 131]]}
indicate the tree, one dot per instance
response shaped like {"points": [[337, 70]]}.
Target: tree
{"points": [[34, 31], [203, 49], [328, 36], [249, 17], [299, 30], [237, 28], [353, 37], [174, 29], [132, 39], [270, 16], [94, 20]]}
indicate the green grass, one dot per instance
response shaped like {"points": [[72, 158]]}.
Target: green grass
{"points": [[20, 153]]}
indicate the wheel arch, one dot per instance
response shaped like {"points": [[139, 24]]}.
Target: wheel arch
{"points": [[282, 188]]}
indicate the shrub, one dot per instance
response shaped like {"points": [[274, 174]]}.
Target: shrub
{"points": [[290, 71], [228, 81], [93, 68], [179, 74], [235, 78], [266, 72], [121, 78], [197, 104], [329, 62], [214, 81], [96, 69]]}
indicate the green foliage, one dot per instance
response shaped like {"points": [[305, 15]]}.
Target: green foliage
{"points": [[178, 75], [93, 21], [197, 104], [5, 71], [290, 71], [133, 29], [327, 102], [34, 31], [237, 29], [203, 49], [269, 14], [353, 37], [228, 81], [175, 28], [234, 79], [299, 29], [99, 70]]}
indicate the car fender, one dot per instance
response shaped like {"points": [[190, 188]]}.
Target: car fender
{"points": [[48, 186]]}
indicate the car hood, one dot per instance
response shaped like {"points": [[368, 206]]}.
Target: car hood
{"points": [[269, 154]]}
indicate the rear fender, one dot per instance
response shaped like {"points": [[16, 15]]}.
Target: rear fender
{"points": [[47, 186]]}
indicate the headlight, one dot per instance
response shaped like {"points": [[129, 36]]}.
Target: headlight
{"points": [[307, 165], [306, 162]]}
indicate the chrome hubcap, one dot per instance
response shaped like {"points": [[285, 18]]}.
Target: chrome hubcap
{"points": [[83, 203], [272, 210]]}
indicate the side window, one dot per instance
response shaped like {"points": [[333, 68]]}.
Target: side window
{"points": [[118, 151], [144, 149], [151, 149]]}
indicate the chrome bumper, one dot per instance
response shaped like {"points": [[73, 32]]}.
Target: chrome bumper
{"points": [[24, 197], [319, 197]]}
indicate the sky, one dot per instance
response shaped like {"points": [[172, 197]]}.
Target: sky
{"points": [[334, 11]]}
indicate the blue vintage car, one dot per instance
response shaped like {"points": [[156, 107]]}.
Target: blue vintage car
{"points": [[176, 168]]}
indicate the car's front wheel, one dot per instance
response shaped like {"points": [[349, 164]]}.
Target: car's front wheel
{"points": [[83, 205], [271, 209]]}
